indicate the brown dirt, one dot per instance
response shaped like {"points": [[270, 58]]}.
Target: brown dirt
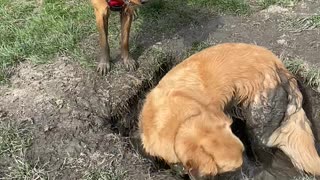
{"points": [[81, 121]]}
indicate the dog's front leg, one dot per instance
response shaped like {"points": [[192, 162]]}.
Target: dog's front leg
{"points": [[126, 20], [102, 16]]}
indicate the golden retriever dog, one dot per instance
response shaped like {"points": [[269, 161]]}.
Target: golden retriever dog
{"points": [[185, 118]]}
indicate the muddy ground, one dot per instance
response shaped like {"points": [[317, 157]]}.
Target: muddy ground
{"points": [[81, 123]]}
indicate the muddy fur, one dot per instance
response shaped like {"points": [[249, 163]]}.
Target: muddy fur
{"points": [[185, 117]]}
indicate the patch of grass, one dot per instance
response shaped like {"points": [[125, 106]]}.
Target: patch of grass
{"points": [[37, 30], [22, 169], [311, 75], [197, 46], [100, 174], [285, 3], [299, 24], [308, 23], [294, 66], [238, 7], [15, 138]]}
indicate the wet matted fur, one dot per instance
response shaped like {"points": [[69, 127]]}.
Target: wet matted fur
{"points": [[185, 117]]}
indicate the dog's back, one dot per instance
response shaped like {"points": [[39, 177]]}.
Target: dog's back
{"points": [[223, 70]]}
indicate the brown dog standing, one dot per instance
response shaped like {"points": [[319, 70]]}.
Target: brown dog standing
{"points": [[102, 10]]}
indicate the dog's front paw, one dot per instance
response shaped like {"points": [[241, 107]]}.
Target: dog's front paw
{"points": [[103, 68], [130, 64]]}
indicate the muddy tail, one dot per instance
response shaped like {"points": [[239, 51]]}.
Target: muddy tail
{"points": [[294, 137]]}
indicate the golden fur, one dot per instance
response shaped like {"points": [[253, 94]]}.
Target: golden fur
{"points": [[183, 118]]}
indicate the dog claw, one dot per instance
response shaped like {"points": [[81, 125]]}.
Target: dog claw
{"points": [[103, 68], [130, 64]]}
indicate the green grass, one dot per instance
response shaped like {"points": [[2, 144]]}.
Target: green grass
{"points": [[37, 31], [101, 174], [311, 75], [15, 139], [22, 169], [285, 3], [304, 23], [308, 23]]}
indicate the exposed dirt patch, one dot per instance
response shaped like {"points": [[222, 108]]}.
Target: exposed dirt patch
{"points": [[277, 29], [81, 121], [72, 111]]}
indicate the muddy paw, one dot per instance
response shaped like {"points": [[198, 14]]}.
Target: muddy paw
{"points": [[103, 68], [130, 64]]}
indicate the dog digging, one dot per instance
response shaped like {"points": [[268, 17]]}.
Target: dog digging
{"points": [[198, 121]]}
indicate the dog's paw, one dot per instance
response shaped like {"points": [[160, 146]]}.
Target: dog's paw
{"points": [[201, 168], [130, 64], [103, 68]]}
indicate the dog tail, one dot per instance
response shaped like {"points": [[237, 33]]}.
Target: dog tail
{"points": [[294, 137]]}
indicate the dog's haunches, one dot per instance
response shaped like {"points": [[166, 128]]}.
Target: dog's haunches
{"points": [[185, 117]]}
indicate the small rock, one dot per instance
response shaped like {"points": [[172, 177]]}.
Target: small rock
{"points": [[282, 42], [219, 26], [47, 128], [59, 103]]}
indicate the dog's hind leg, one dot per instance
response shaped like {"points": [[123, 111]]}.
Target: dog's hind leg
{"points": [[276, 119], [294, 137], [101, 11], [126, 21]]}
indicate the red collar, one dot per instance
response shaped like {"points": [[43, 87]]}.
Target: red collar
{"points": [[115, 3]]}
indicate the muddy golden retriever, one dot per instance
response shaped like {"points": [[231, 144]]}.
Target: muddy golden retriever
{"points": [[185, 118]]}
